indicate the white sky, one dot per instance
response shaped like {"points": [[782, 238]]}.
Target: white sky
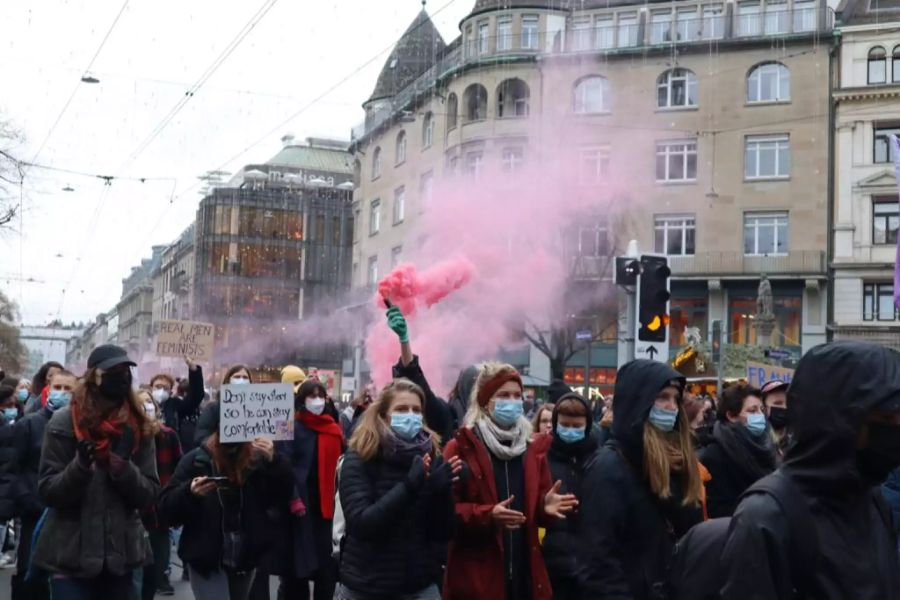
{"points": [[89, 238]]}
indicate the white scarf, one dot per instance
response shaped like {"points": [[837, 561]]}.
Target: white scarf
{"points": [[516, 438]]}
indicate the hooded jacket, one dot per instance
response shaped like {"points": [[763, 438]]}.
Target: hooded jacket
{"points": [[627, 534], [459, 401], [836, 386], [891, 492], [568, 463]]}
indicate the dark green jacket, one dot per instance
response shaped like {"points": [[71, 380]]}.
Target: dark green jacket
{"points": [[94, 520]]}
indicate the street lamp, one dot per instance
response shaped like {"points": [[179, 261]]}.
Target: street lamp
{"points": [[88, 78]]}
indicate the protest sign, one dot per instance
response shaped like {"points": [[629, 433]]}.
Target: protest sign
{"points": [[256, 410], [759, 374], [185, 338]]}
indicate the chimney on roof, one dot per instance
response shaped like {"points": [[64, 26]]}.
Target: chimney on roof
{"points": [[287, 140]]}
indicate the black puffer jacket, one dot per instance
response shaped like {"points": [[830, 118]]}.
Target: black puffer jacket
{"points": [[835, 388], [627, 533], [735, 460], [9, 483], [29, 440], [258, 510], [568, 463], [182, 414], [396, 541]]}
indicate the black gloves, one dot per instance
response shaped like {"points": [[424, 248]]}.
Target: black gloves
{"points": [[85, 453], [415, 479], [441, 477]]}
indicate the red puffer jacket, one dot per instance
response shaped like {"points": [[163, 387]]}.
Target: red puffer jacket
{"points": [[475, 561]]}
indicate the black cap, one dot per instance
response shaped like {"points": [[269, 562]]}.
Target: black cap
{"points": [[108, 356]]}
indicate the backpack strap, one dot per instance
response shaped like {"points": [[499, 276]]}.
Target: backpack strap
{"points": [[801, 529]]}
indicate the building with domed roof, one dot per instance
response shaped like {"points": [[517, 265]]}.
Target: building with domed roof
{"points": [[718, 110]]}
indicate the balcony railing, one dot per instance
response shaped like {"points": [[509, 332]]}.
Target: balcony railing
{"points": [[798, 262], [622, 36]]}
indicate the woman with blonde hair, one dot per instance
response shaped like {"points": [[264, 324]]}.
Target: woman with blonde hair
{"points": [[97, 472], [543, 419], [396, 494], [644, 491], [507, 495]]}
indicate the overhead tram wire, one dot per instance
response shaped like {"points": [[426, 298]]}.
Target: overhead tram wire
{"points": [[207, 74], [79, 83]]}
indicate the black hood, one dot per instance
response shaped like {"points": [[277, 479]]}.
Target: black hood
{"points": [[466, 383], [557, 390], [587, 408], [833, 391], [637, 385]]}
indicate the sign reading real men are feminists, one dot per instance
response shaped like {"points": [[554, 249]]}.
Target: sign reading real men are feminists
{"points": [[185, 338], [256, 410]]}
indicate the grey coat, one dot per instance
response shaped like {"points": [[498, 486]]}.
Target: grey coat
{"points": [[94, 519]]}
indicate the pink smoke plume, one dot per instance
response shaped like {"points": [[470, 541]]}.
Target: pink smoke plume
{"points": [[510, 240], [406, 288]]}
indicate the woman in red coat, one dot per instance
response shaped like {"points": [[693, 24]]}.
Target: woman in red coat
{"points": [[507, 495]]}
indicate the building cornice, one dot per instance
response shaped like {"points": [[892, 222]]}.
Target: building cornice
{"points": [[870, 92]]}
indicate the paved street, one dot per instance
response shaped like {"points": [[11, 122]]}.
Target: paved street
{"points": [[182, 588]]}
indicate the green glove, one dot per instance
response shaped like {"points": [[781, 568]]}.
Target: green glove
{"points": [[397, 323]]}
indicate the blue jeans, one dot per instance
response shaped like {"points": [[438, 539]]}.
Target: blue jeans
{"points": [[105, 586]]}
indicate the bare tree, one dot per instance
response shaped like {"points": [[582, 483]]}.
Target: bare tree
{"points": [[588, 300], [13, 353], [12, 171]]}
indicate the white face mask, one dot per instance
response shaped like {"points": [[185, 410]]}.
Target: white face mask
{"points": [[315, 405], [150, 409], [160, 395]]}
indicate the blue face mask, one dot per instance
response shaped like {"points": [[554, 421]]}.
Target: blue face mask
{"points": [[663, 418], [10, 414], [756, 423], [238, 381], [570, 435], [406, 425], [507, 411], [22, 395], [57, 399]]}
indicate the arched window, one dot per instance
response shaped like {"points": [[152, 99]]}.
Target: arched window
{"points": [[428, 130], [895, 64], [877, 65], [591, 95], [376, 163], [513, 96], [769, 82], [475, 100], [676, 88], [401, 148], [452, 110]]}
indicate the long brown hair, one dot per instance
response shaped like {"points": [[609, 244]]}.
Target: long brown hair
{"points": [[673, 451], [373, 427], [234, 467], [91, 412], [235, 369]]}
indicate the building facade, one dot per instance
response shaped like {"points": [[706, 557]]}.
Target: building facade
{"points": [[865, 222], [712, 119], [173, 280], [273, 247], [46, 344], [135, 309], [103, 330]]}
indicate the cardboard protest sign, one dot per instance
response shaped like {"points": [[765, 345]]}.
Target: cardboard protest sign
{"points": [[759, 374], [254, 410], [185, 338]]}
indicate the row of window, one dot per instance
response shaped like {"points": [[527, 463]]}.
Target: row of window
{"points": [[622, 29], [676, 88], [877, 65]]}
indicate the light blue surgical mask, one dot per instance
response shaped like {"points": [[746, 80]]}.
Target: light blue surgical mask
{"points": [[236, 380], [10, 414], [663, 418], [22, 395], [56, 399], [507, 411], [756, 423], [570, 435], [406, 425]]}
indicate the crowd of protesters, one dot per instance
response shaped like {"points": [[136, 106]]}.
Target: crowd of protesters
{"points": [[788, 491]]}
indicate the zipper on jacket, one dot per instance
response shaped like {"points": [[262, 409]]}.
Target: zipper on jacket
{"points": [[509, 531]]}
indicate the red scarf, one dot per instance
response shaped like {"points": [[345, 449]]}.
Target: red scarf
{"points": [[44, 396], [330, 445], [109, 428]]}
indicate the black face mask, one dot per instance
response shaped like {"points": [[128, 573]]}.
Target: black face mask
{"points": [[778, 417], [882, 455], [116, 385]]}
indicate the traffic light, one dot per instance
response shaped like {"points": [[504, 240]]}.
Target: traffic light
{"points": [[653, 299], [627, 270]]}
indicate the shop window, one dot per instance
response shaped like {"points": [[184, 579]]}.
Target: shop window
{"points": [[685, 313], [742, 316]]}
